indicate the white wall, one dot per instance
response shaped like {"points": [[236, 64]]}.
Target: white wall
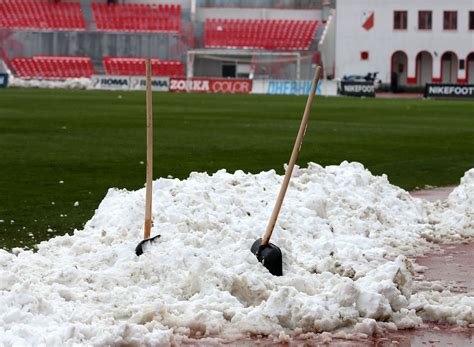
{"points": [[327, 46], [382, 40]]}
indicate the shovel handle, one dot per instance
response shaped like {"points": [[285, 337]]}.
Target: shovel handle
{"points": [[291, 164], [149, 151]]}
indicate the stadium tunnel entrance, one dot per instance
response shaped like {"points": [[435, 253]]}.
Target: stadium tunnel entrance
{"points": [[449, 67], [399, 68], [470, 68], [424, 68]]}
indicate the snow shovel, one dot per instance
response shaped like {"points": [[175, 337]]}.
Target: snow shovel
{"points": [[149, 165], [267, 253]]}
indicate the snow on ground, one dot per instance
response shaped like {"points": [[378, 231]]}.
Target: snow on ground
{"points": [[69, 83], [344, 233]]}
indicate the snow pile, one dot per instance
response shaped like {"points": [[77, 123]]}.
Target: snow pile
{"points": [[69, 83], [344, 234], [453, 220]]}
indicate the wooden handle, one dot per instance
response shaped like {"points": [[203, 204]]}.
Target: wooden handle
{"points": [[149, 150], [291, 164]]}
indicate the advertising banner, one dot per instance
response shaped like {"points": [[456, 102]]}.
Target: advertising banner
{"points": [[351, 88], [110, 82], [293, 87], [159, 84], [189, 85], [288, 87], [210, 85], [449, 90], [3, 80], [231, 86]]}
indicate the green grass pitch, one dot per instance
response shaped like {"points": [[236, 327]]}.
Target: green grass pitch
{"points": [[93, 140]]}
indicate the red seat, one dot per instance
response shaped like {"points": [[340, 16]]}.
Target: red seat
{"points": [[136, 17], [53, 67], [41, 14], [136, 67], [259, 33]]}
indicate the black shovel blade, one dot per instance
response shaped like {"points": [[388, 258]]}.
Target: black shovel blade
{"points": [[270, 256], [140, 246]]}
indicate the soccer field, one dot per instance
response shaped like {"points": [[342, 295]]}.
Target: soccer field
{"points": [[62, 149]]}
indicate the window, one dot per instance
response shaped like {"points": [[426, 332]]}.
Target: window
{"points": [[424, 20], [471, 20], [450, 20], [400, 20]]}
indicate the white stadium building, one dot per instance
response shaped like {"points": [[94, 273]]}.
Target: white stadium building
{"points": [[414, 41]]}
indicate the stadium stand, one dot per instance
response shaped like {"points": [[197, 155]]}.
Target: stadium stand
{"points": [[41, 14], [259, 33], [137, 17], [53, 67], [136, 67]]}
